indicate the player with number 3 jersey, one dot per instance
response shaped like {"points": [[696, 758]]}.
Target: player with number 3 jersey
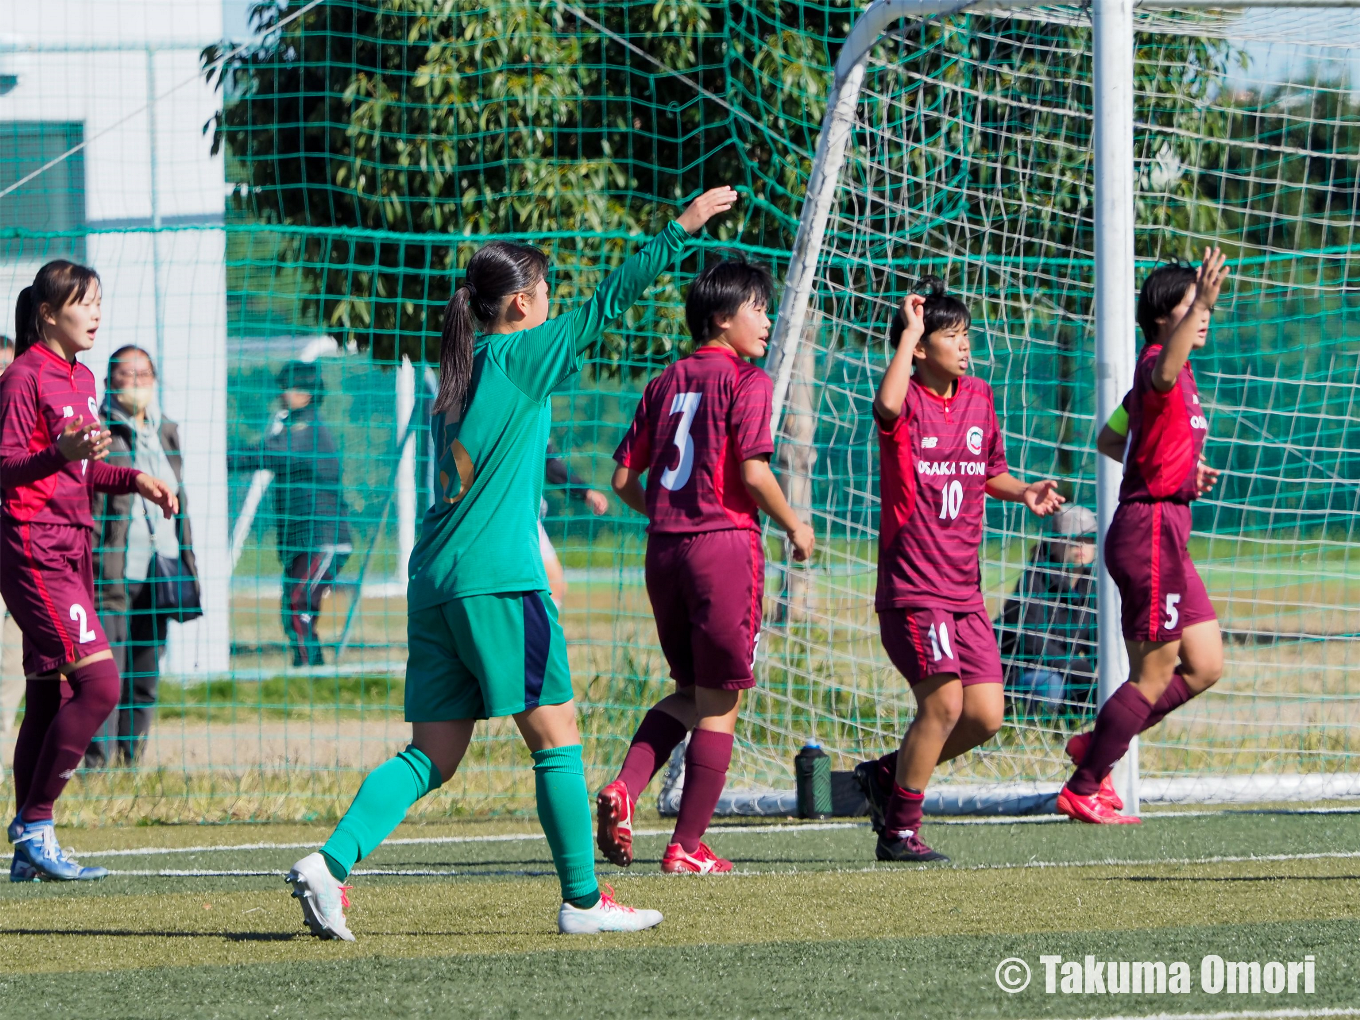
{"points": [[941, 455], [701, 435], [1175, 648]]}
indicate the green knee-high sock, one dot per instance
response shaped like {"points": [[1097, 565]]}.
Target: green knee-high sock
{"points": [[564, 813], [378, 808]]}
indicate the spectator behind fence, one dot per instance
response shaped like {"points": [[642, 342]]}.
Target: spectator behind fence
{"points": [[11, 641], [129, 534], [1047, 629], [311, 517]]}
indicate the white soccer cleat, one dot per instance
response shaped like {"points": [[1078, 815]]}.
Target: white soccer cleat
{"points": [[607, 915], [323, 899]]}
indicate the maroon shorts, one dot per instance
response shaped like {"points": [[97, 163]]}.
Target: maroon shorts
{"points": [[925, 642], [707, 591], [1147, 554], [47, 582]]}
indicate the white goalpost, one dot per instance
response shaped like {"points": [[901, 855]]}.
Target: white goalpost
{"points": [[1103, 173]]}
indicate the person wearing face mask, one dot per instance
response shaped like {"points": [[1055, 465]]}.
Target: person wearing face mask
{"points": [[128, 536]]}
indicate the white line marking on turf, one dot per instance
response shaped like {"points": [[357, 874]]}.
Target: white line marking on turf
{"points": [[512, 837], [1250, 1014]]}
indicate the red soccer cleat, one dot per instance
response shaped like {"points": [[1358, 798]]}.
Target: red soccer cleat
{"points": [[1076, 750], [615, 819], [1090, 809], [702, 862]]}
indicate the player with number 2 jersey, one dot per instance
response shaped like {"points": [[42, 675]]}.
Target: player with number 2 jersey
{"points": [[1175, 648], [941, 455], [701, 435]]}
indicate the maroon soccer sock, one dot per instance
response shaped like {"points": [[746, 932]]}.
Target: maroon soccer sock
{"points": [[1121, 718], [706, 763], [887, 771], [905, 808], [94, 693], [652, 745], [1177, 693], [42, 700]]}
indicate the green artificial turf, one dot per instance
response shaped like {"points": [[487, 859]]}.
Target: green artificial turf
{"points": [[810, 925]]}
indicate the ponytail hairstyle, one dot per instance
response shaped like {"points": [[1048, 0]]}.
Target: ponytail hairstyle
{"points": [[495, 272], [57, 285], [942, 311]]}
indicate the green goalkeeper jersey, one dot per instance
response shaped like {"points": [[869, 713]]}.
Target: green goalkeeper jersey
{"points": [[480, 536]]}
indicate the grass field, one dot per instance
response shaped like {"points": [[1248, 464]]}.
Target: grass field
{"points": [[458, 920]]}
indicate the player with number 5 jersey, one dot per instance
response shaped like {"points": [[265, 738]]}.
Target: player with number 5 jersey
{"points": [[1170, 629], [941, 455], [701, 435]]}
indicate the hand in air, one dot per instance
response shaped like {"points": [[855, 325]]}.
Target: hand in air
{"points": [[914, 312], [77, 442], [1205, 477], [1209, 279], [153, 490], [706, 206], [1042, 497], [802, 539], [597, 501]]}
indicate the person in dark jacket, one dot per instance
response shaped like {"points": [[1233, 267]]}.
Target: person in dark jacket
{"points": [[128, 534], [558, 472], [1047, 628], [310, 512]]}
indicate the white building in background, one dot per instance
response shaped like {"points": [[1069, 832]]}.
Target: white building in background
{"points": [[143, 203]]}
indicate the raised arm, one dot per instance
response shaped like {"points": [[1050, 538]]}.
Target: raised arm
{"points": [[1192, 315], [892, 391], [621, 288]]}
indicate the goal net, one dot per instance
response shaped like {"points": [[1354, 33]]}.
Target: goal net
{"points": [[970, 157]]}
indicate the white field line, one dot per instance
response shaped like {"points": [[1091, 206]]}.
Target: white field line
{"points": [[517, 837], [1343, 855], [1250, 1014]]}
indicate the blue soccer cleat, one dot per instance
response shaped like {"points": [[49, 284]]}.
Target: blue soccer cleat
{"points": [[39, 849], [21, 871], [15, 830]]}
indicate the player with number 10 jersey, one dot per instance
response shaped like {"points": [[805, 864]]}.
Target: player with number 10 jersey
{"points": [[701, 435], [941, 455]]}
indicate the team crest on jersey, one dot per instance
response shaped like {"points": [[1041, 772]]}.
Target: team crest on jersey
{"points": [[929, 442], [974, 440], [94, 408]]}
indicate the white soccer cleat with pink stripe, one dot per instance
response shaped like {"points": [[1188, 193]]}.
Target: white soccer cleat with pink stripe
{"points": [[607, 915]]}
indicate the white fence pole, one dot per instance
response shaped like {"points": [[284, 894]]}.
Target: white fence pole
{"points": [[1112, 23]]}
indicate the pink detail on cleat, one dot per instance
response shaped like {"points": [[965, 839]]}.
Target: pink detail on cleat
{"points": [[1090, 809], [702, 862], [614, 817], [1076, 750]]}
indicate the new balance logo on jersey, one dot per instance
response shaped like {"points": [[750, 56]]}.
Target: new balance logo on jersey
{"points": [[929, 442]]}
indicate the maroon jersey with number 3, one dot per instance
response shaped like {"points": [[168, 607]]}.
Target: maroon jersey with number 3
{"points": [[935, 460], [1166, 434], [697, 421]]}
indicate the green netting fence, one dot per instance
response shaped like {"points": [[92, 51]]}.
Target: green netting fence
{"points": [[367, 148]]}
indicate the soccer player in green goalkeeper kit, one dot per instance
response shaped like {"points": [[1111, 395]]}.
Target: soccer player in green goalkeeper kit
{"points": [[482, 632]]}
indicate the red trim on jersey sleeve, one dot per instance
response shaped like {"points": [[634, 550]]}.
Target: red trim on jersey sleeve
{"points": [[896, 475], [1166, 444], [996, 448], [635, 451], [748, 416]]}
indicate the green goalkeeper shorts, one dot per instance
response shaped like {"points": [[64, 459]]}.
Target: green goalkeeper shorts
{"points": [[485, 656]]}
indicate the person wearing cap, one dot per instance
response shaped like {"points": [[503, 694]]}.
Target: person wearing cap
{"points": [[311, 516], [1047, 628]]}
